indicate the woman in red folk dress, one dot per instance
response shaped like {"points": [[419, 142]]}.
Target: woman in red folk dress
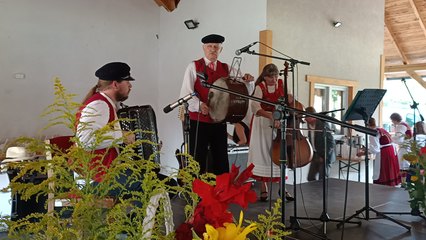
{"points": [[386, 165], [270, 88]]}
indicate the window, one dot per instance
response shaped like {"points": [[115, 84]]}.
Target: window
{"points": [[327, 94], [397, 99]]}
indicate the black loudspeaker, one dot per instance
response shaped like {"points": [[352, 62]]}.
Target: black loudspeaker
{"points": [[22, 208]]}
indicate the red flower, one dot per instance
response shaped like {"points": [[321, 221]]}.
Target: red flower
{"points": [[213, 207], [231, 187], [183, 232], [423, 150]]}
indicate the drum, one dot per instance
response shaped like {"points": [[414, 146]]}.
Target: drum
{"points": [[225, 107]]}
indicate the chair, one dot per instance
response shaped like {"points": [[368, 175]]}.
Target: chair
{"points": [[355, 165], [64, 143], [343, 159]]}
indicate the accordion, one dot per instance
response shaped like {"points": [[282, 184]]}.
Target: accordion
{"points": [[142, 120]]}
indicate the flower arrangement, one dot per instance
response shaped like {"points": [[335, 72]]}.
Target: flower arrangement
{"points": [[208, 196], [416, 184], [211, 219], [85, 218], [212, 211]]}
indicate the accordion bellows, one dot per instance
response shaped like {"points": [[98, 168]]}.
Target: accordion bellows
{"points": [[142, 120]]}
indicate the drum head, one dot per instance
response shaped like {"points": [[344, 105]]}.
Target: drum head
{"points": [[225, 107], [218, 101]]}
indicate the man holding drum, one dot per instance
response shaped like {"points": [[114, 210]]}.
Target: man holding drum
{"points": [[203, 131]]}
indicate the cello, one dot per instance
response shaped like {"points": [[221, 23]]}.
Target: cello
{"points": [[299, 150]]}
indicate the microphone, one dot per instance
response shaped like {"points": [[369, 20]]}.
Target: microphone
{"points": [[202, 75], [244, 49], [172, 106]]}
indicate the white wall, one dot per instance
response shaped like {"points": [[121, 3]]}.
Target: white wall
{"points": [[71, 39], [303, 30], [238, 21]]}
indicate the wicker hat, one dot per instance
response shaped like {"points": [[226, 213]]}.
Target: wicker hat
{"points": [[17, 154]]}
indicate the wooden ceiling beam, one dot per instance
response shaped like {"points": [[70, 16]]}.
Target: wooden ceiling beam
{"points": [[395, 42], [418, 17], [409, 69], [416, 77], [169, 5], [405, 68]]}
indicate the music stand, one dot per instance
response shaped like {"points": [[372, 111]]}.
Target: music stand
{"points": [[362, 108]]}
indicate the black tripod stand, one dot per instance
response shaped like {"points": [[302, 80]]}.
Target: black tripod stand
{"points": [[362, 108], [184, 151], [414, 211], [327, 139]]}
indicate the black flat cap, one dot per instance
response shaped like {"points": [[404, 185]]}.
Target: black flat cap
{"points": [[213, 38], [114, 71]]}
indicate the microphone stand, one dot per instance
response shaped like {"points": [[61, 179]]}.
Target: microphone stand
{"points": [[324, 217], [416, 211], [185, 125], [292, 61], [360, 109], [294, 222], [281, 111], [414, 107], [279, 114]]}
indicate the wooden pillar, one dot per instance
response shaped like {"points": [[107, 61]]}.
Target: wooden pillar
{"points": [[381, 86], [265, 38]]}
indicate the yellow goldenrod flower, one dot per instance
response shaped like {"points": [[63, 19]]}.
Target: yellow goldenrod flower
{"points": [[412, 158]]}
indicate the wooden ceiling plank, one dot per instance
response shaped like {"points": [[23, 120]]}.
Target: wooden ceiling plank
{"points": [[395, 42], [417, 14]]}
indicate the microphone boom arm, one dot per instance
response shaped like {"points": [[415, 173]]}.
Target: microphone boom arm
{"points": [[326, 118], [292, 60]]}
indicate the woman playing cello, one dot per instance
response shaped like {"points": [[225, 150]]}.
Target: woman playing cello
{"points": [[269, 88]]}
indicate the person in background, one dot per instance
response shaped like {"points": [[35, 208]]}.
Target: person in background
{"points": [[421, 133], [270, 88], [203, 132], [403, 133], [386, 166], [322, 149], [241, 133]]}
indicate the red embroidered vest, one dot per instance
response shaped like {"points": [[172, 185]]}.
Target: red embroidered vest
{"points": [[271, 97], [385, 138], [104, 156], [203, 92]]}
